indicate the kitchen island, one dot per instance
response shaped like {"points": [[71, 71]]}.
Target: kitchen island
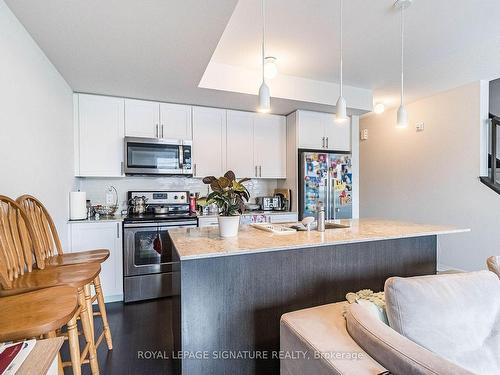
{"points": [[232, 292]]}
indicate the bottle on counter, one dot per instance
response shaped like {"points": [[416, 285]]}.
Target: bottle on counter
{"points": [[321, 217], [192, 203]]}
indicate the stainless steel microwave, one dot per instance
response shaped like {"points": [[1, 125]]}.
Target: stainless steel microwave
{"points": [[156, 156]]}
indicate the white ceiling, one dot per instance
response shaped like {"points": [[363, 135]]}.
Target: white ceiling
{"points": [[159, 49], [448, 42]]}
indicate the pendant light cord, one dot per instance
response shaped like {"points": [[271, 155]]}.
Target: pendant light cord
{"points": [[341, 50], [402, 51], [263, 37]]}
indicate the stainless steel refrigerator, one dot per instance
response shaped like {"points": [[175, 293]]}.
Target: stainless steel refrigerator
{"points": [[325, 177]]}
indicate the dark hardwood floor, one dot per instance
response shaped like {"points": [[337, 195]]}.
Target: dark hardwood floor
{"points": [[139, 327]]}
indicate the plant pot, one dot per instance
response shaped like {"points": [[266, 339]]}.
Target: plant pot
{"points": [[229, 226]]}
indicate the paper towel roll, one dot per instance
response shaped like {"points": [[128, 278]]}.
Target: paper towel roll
{"points": [[77, 205]]}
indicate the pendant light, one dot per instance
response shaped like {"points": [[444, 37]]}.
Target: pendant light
{"points": [[402, 117], [264, 93], [341, 106]]}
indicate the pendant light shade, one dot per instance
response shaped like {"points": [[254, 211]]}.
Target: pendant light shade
{"points": [[264, 92], [402, 117], [341, 106], [264, 98]]}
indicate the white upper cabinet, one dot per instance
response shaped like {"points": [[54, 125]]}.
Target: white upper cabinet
{"points": [[99, 131], [175, 121], [310, 130], [270, 145], [142, 118], [337, 134], [240, 144], [319, 131], [209, 141], [157, 120]]}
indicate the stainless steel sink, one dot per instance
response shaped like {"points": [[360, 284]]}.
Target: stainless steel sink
{"points": [[336, 226]]}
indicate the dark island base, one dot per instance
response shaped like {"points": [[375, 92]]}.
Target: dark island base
{"points": [[234, 303]]}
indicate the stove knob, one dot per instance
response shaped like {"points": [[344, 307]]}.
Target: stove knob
{"points": [[182, 197], [175, 197]]}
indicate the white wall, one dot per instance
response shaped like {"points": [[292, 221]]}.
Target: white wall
{"points": [[36, 115], [432, 176]]}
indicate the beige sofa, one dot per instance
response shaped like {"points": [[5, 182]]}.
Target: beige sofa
{"points": [[449, 325]]}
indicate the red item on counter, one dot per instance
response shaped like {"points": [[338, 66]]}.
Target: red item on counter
{"points": [[192, 203]]}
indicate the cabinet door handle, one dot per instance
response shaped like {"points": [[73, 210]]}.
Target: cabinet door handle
{"points": [[326, 142], [162, 130], [194, 169], [122, 167], [256, 173], [117, 230], [323, 142], [157, 131], [260, 170]]}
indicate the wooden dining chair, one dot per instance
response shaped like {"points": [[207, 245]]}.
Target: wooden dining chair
{"points": [[33, 315], [54, 256], [19, 247]]}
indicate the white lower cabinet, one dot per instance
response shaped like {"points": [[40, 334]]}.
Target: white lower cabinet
{"points": [[102, 235], [208, 221], [289, 217]]}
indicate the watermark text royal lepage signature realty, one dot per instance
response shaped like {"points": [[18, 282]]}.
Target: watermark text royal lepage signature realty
{"points": [[245, 354]]}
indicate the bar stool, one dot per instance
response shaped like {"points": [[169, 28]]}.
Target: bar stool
{"points": [[18, 244], [54, 256]]}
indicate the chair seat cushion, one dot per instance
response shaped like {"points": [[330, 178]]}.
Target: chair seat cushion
{"points": [[456, 316], [36, 313], [90, 256], [75, 276]]}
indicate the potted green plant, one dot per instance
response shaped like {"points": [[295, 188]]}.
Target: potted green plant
{"points": [[229, 195]]}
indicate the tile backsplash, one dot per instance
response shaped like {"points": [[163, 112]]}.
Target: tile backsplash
{"points": [[96, 187]]}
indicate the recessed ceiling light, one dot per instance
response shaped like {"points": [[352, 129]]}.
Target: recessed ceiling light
{"points": [[379, 108], [270, 67]]}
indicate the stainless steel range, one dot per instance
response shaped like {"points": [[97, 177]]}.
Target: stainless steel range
{"points": [[148, 268]]}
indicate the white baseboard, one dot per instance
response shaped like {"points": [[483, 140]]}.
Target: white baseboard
{"points": [[114, 298]]}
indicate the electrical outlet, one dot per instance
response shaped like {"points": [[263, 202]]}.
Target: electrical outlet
{"points": [[363, 134], [419, 126]]}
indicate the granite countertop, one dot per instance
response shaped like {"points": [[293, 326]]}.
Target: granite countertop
{"points": [[194, 243]]}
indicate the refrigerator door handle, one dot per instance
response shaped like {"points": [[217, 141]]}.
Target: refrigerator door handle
{"points": [[331, 199]]}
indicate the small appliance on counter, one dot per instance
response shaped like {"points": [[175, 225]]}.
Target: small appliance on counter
{"points": [[285, 196], [268, 203], [149, 269]]}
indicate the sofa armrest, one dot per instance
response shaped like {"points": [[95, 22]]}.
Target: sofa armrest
{"points": [[395, 352], [320, 332]]}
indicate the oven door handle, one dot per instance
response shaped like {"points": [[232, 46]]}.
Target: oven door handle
{"points": [[177, 224]]}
